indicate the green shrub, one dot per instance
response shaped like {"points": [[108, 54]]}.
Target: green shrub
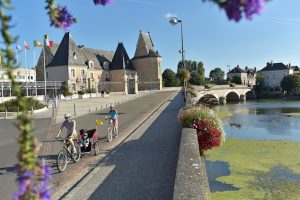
{"points": [[11, 105], [232, 84], [81, 92], [106, 90], [207, 86], [91, 90]]}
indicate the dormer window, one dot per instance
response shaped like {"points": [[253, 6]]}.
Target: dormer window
{"points": [[105, 65], [74, 55], [91, 64]]}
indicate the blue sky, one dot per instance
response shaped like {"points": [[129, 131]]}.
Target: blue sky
{"points": [[208, 35]]}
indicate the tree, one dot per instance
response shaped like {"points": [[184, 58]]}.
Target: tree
{"points": [[217, 74], [195, 78], [201, 72], [291, 83], [169, 78], [183, 74], [236, 80]]}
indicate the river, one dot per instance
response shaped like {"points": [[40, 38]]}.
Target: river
{"points": [[261, 120]]}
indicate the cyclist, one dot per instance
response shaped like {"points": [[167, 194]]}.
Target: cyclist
{"points": [[70, 125], [113, 115]]}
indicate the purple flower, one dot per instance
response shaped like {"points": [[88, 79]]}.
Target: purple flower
{"points": [[62, 18], [253, 7], [25, 182], [45, 192], [233, 9], [103, 2]]}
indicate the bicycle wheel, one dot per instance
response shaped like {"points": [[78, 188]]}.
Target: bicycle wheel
{"points": [[95, 148], [61, 161], [109, 134], [116, 131], [76, 156]]}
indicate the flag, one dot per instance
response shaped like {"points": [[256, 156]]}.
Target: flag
{"points": [[37, 43], [26, 46], [19, 48], [47, 42]]}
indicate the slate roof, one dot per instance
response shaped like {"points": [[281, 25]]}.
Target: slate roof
{"points": [[145, 47], [236, 70], [295, 68], [274, 66], [68, 53], [121, 59]]}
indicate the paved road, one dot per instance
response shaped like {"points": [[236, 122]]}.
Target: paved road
{"points": [[143, 166], [131, 113]]}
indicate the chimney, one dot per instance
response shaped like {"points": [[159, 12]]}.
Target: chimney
{"points": [[272, 63], [254, 69], [238, 66], [289, 65], [246, 68]]}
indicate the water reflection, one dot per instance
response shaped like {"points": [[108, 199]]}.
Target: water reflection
{"points": [[215, 170], [263, 120]]}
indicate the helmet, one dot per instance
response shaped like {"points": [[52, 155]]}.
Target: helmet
{"points": [[112, 106], [67, 116]]}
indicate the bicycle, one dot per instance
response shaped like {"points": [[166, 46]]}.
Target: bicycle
{"points": [[112, 131], [65, 155]]}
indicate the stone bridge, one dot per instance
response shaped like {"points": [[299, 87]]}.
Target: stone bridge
{"points": [[219, 94]]}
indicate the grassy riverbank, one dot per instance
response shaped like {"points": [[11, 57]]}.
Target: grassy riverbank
{"points": [[292, 114], [252, 165]]}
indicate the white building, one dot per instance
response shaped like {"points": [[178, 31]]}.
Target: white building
{"points": [[247, 75], [20, 75], [273, 73]]}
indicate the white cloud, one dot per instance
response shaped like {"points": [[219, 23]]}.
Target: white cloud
{"points": [[169, 15]]}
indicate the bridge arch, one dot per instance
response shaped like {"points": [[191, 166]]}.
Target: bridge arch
{"points": [[232, 96], [209, 99], [250, 95]]}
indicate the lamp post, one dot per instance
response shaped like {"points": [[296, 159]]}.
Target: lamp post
{"points": [[174, 21]]}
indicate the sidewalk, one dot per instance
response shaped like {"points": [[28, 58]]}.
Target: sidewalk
{"points": [[143, 166]]}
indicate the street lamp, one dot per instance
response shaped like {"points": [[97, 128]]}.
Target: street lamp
{"points": [[174, 21]]}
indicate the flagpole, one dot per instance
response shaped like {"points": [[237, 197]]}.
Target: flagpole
{"points": [[35, 71], [17, 57], [45, 74], [27, 73]]}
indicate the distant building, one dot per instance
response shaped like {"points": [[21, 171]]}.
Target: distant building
{"points": [[247, 75], [20, 75], [84, 68], [273, 73]]}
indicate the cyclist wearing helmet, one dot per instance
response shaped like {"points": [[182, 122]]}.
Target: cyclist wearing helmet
{"points": [[70, 125], [113, 115]]}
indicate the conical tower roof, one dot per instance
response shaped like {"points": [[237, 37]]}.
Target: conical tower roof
{"points": [[121, 59], [145, 47], [68, 53]]}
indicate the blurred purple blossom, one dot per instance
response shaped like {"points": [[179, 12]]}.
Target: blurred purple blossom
{"points": [[44, 191], [103, 2], [235, 8], [62, 18], [25, 183]]}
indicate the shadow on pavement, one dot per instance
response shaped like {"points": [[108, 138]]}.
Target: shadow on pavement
{"points": [[144, 166]]}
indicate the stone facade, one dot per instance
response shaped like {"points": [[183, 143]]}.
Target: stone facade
{"points": [[83, 68]]}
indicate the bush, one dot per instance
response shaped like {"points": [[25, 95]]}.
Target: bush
{"points": [[81, 92], [207, 86], [232, 84], [91, 90], [105, 90], [11, 105]]}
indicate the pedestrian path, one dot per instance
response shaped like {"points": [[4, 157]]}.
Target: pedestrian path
{"points": [[141, 167]]}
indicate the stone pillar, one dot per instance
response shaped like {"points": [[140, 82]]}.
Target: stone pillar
{"points": [[136, 83], [125, 83], [222, 100], [243, 97]]}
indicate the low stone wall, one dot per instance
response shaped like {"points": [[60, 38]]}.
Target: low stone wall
{"points": [[191, 181]]}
